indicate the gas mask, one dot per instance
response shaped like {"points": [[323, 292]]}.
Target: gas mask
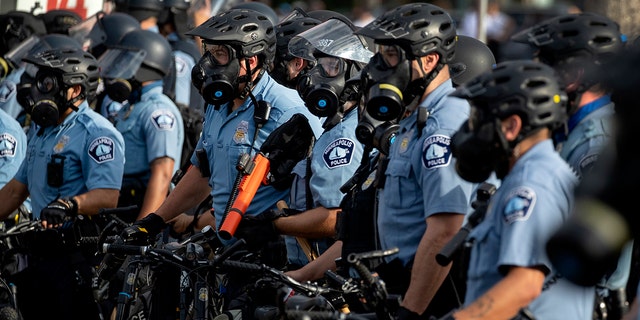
{"points": [[43, 98], [376, 133], [216, 75], [322, 86], [388, 85], [480, 148], [121, 90]]}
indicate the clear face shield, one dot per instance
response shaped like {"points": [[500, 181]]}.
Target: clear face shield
{"points": [[85, 33], [333, 38]]}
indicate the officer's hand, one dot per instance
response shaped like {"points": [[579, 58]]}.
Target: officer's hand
{"points": [[256, 232], [58, 211], [143, 231]]}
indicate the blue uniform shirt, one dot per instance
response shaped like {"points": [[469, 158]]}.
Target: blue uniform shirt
{"points": [[335, 157], [184, 63], [93, 152], [228, 134], [152, 128], [13, 147], [591, 131], [535, 198], [421, 178], [8, 90]]}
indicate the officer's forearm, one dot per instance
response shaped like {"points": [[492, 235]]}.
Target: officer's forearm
{"points": [[190, 191], [315, 223], [91, 202], [505, 299], [158, 186], [427, 275], [12, 195]]}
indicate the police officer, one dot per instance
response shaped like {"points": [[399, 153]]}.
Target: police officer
{"points": [[73, 168], [287, 67], [337, 153], [423, 201], [232, 78], [13, 145], [173, 24], [149, 121], [576, 45], [509, 133]]}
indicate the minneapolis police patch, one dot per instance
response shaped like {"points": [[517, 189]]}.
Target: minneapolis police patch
{"points": [[436, 151], [520, 204], [163, 119], [102, 149], [8, 144], [338, 153]]}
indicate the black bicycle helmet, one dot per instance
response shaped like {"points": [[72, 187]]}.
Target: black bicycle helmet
{"points": [[250, 32], [260, 7], [587, 35], [59, 21], [288, 29], [159, 57], [472, 58], [418, 28], [75, 66], [524, 87]]}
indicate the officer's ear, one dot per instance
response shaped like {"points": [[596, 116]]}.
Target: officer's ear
{"points": [[74, 91], [511, 126]]}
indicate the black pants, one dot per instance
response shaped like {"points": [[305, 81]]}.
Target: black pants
{"points": [[398, 277], [57, 287]]}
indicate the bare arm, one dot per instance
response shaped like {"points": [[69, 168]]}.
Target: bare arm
{"points": [[504, 300], [427, 275], [318, 222], [189, 192], [11, 196], [158, 187], [315, 269], [90, 202]]}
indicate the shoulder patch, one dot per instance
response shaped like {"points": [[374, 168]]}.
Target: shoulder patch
{"points": [[8, 145], [338, 153], [436, 151], [163, 119], [586, 163], [181, 66], [102, 149], [520, 203]]}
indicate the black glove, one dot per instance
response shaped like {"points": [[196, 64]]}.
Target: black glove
{"points": [[406, 314], [59, 211], [143, 231], [257, 232], [274, 214]]}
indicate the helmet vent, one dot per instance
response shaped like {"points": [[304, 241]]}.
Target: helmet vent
{"points": [[409, 13], [570, 33], [541, 100], [419, 24], [533, 84], [601, 40], [250, 28]]}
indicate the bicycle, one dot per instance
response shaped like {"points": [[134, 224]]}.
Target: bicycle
{"points": [[199, 298]]}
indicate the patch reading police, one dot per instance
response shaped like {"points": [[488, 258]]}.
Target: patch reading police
{"points": [[520, 204], [102, 149], [8, 145], [436, 151], [163, 119], [338, 153]]}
